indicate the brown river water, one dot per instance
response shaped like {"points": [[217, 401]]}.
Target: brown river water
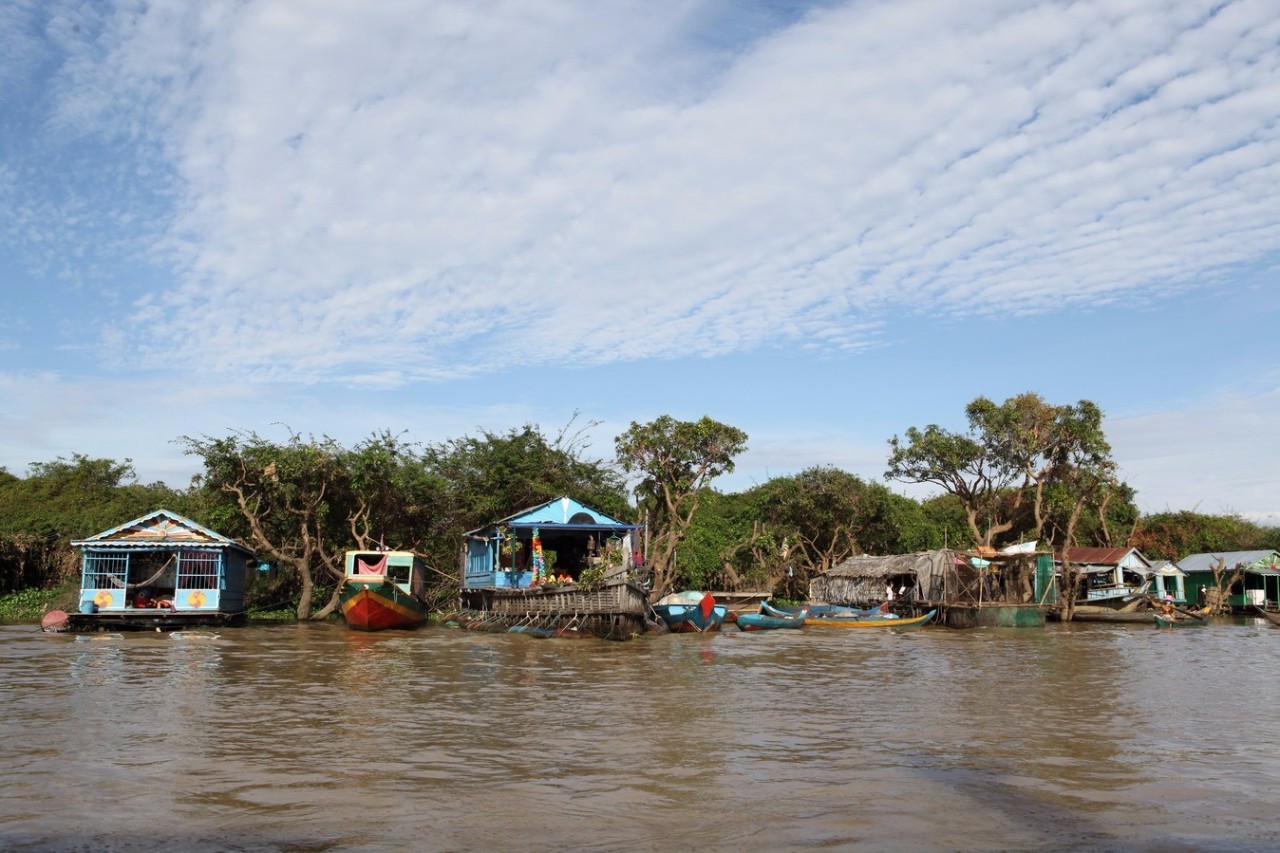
{"points": [[314, 737]]}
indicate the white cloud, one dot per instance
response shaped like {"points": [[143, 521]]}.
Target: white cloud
{"points": [[1218, 455], [48, 415], [505, 184]]}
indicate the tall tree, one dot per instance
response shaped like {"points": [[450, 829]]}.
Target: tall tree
{"points": [[675, 461], [1011, 455], [304, 503], [959, 465], [817, 509], [64, 500], [492, 475]]}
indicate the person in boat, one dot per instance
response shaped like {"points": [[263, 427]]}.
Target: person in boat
{"points": [[884, 612], [1167, 610]]}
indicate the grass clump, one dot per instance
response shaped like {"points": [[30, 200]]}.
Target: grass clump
{"points": [[28, 605]]}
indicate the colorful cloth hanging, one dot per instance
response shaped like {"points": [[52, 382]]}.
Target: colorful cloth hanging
{"points": [[539, 563]]}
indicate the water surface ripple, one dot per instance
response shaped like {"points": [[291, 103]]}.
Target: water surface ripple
{"points": [[313, 737]]}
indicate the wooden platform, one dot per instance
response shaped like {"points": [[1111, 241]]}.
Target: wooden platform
{"points": [[617, 610]]}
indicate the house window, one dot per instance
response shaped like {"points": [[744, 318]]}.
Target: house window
{"points": [[198, 569], [104, 570]]}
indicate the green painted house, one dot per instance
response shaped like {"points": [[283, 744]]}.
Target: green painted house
{"points": [[1258, 587]]}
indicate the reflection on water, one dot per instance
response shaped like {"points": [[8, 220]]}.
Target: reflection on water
{"points": [[313, 737]]}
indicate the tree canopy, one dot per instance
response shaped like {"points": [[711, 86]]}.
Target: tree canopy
{"points": [[1023, 468], [675, 461], [1010, 461]]}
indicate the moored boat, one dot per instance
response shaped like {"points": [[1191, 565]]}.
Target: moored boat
{"points": [[817, 610], [382, 590], [870, 621], [1269, 615], [1107, 614], [690, 612], [767, 622]]}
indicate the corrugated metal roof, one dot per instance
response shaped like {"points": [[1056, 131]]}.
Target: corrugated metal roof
{"points": [[1164, 567], [1098, 556], [1206, 562]]}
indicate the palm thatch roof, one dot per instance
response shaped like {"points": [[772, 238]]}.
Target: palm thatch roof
{"points": [[891, 565]]}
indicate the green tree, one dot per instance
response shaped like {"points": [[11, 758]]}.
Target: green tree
{"points": [[818, 510], [80, 496], [1174, 535], [675, 461], [495, 474], [304, 503], [1009, 458], [63, 500]]}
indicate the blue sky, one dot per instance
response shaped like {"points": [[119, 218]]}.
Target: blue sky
{"points": [[822, 223]]}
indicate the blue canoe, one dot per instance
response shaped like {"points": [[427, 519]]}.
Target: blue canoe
{"points": [[768, 622], [817, 610]]}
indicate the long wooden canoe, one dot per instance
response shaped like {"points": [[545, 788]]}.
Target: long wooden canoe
{"points": [[868, 621], [1273, 618]]}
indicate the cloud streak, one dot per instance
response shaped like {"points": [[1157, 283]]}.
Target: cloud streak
{"points": [[502, 185]]}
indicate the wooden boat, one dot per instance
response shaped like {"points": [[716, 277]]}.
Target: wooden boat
{"points": [[1273, 618], [1183, 621], [381, 590], [769, 621], [817, 610], [870, 621], [690, 612], [1107, 614]]}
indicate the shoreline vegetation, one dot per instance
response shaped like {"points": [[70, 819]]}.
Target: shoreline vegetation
{"points": [[1021, 470]]}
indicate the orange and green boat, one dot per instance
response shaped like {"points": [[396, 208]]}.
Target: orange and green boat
{"points": [[382, 590]]}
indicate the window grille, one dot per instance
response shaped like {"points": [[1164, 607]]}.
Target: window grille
{"points": [[105, 570], [198, 569]]}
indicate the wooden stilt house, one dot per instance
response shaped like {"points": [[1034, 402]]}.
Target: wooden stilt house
{"points": [[969, 590], [1108, 577], [866, 580]]}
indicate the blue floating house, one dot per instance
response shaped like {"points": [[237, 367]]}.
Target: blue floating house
{"points": [[571, 537], [560, 568], [161, 571]]}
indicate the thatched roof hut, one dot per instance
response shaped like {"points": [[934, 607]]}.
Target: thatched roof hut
{"points": [[863, 581]]}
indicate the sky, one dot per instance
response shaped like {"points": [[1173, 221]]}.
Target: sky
{"points": [[822, 223]]}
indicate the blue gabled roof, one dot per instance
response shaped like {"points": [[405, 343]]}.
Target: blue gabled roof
{"points": [[162, 527], [562, 511]]}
